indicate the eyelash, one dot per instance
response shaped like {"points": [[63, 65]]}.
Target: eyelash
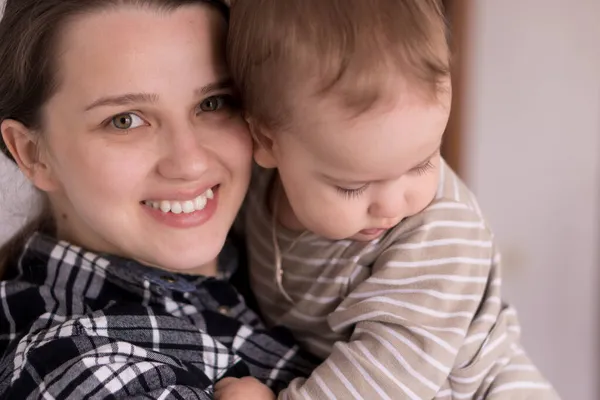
{"points": [[352, 193], [424, 168]]}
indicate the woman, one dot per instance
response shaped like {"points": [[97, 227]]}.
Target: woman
{"points": [[122, 115]]}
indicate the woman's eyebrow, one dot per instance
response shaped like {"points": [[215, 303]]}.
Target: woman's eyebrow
{"points": [[221, 84], [123, 99], [130, 98]]}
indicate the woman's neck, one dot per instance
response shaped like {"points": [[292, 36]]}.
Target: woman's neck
{"points": [[209, 269]]}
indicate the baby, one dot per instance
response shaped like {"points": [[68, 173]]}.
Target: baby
{"points": [[362, 240]]}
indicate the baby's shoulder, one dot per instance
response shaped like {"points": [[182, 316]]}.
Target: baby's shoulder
{"points": [[453, 215], [453, 190]]}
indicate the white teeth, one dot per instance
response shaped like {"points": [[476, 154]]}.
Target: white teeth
{"points": [[186, 207], [200, 202], [176, 207], [165, 206]]}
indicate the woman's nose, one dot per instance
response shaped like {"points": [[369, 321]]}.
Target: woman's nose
{"points": [[184, 157]]}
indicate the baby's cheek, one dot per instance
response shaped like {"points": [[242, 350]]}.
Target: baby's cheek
{"points": [[318, 208], [339, 218], [420, 199]]}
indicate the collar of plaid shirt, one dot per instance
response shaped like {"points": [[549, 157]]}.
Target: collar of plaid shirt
{"points": [[74, 324]]}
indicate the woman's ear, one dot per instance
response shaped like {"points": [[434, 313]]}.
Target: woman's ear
{"points": [[263, 145], [24, 146]]}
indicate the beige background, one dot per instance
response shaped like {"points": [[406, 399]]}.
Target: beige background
{"points": [[534, 162]]}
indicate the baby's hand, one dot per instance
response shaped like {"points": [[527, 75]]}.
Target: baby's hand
{"points": [[246, 388]]}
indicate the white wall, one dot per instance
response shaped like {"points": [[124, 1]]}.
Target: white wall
{"points": [[16, 199], [533, 159]]}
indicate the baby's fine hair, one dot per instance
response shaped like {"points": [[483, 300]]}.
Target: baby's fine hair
{"points": [[349, 48]]}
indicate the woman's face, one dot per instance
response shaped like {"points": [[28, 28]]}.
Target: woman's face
{"points": [[147, 155]]}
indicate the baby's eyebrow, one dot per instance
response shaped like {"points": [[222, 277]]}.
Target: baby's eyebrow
{"points": [[342, 181]]}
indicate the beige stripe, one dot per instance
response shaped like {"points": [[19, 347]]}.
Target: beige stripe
{"points": [[417, 315]]}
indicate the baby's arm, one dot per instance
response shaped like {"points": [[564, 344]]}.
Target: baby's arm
{"points": [[247, 388], [411, 317]]}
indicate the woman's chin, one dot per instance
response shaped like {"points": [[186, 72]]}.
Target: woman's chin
{"points": [[198, 258], [184, 265]]}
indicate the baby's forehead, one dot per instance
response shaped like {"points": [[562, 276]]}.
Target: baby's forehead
{"points": [[377, 142], [402, 121]]}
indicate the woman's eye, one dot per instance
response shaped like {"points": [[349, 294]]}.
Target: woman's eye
{"points": [[126, 121], [212, 103], [218, 102]]}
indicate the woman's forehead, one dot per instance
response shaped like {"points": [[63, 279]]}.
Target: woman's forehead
{"points": [[141, 50]]}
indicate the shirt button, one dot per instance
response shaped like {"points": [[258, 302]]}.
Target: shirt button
{"points": [[224, 310], [168, 279]]}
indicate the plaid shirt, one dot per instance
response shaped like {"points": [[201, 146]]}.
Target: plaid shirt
{"points": [[75, 325]]}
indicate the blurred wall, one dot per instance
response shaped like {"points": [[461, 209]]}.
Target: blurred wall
{"points": [[533, 158], [16, 199]]}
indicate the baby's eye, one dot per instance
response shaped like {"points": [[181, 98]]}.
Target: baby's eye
{"points": [[423, 168], [126, 121], [352, 193]]}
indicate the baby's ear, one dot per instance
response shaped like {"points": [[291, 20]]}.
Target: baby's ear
{"points": [[263, 144]]}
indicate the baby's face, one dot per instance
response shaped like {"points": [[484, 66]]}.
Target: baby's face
{"points": [[353, 177]]}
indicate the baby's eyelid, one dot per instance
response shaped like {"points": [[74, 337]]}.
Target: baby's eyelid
{"points": [[426, 164], [356, 189]]}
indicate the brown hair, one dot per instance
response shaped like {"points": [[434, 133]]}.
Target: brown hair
{"points": [[28, 35], [349, 47]]}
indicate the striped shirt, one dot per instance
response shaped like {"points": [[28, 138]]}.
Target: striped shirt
{"points": [[414, 314]]}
